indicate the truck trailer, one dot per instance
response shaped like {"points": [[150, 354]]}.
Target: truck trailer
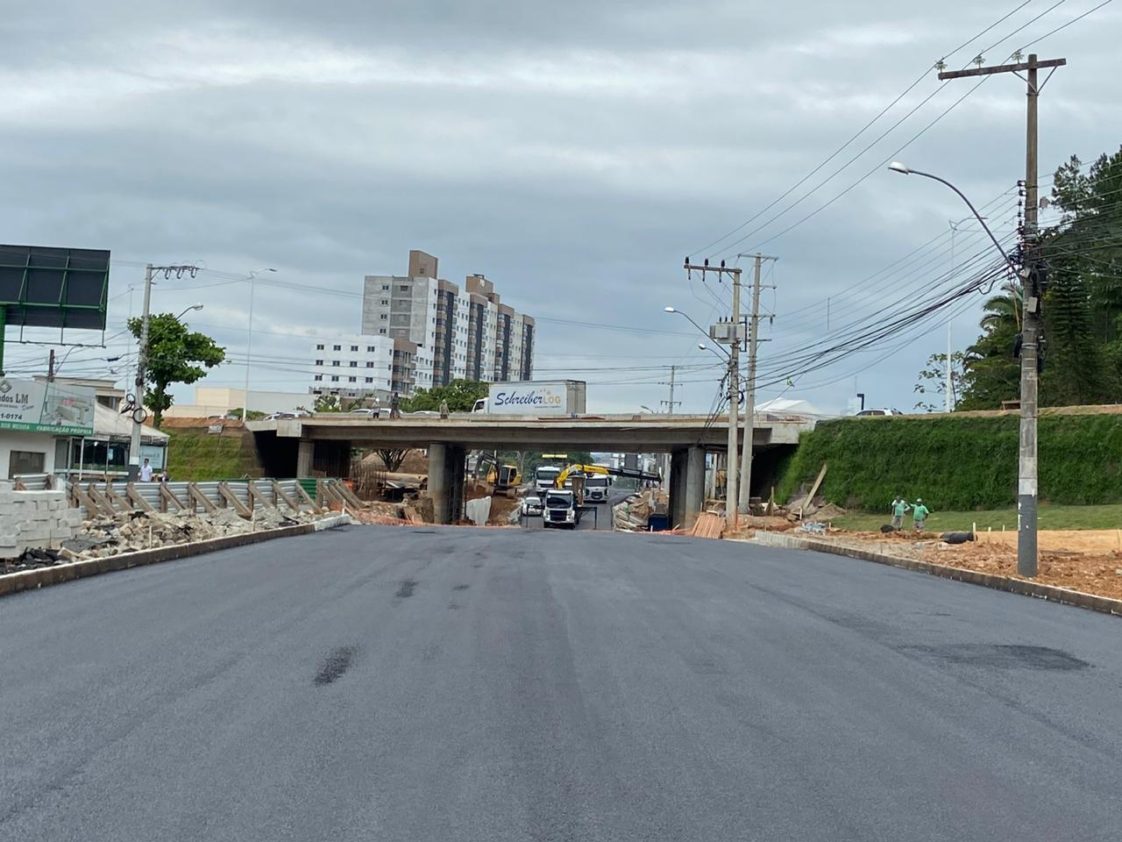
{"points": [[534, 397]]}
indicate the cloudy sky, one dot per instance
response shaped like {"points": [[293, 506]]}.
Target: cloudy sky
{"points": [[573, 152]]}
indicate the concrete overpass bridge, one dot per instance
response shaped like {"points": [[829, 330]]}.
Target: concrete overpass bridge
{"points": [[303, 446]]}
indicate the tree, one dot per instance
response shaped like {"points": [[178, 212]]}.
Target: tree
{"points": [[461, 396], [991, 373], [175, 355], [334, 403], [933, 382], [392, 459]]}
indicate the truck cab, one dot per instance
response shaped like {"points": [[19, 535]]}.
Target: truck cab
{"points": [[560, 509], [596, 488]]}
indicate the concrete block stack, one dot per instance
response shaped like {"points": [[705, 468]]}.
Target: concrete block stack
{"points": [[35, 519]]}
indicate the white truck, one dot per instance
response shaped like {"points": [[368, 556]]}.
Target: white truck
{"points": [[534, 397]]}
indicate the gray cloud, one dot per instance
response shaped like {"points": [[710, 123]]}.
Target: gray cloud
{"points": [[575, 153]]}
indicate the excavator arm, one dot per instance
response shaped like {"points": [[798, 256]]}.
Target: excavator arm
{"points": [[601, 470]]}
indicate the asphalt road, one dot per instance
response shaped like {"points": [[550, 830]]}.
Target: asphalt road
{"points": [[440, 684]]}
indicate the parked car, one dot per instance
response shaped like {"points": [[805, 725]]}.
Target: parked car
{"points": [[372, 412], [532, 506], [879, 412], [273, 416]]}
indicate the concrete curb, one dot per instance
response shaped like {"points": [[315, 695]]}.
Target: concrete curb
{"points": [[1053, 593], [32, 579]]}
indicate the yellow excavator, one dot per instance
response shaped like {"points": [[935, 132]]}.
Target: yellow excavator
{"points": [[596, 482], [503, 479]]}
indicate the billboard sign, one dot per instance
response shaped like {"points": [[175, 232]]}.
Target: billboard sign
{"points": [[39, 407], [54, 287]]}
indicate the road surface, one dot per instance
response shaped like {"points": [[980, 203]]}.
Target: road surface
{"points": [[442, 684]]}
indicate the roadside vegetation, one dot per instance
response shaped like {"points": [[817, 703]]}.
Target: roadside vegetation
{"points": [[1050, 517]]}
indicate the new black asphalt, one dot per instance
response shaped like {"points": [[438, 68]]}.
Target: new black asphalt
{"points": [[444, 684]]}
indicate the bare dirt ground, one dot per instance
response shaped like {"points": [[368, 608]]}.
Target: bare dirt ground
{"points": [[1083, 560]]}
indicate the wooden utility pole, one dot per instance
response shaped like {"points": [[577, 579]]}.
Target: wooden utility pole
{"points": [[733, 338], [1027, 485]]}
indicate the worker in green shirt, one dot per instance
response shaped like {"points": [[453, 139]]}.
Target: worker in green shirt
{"points": [[919, 514], [899, 509]]}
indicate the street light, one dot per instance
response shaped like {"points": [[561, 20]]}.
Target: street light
{"points": [[188, 310], [903, 169], [687, 318], [647, 408], [1027, 475], [724, 355], [249, 339]]}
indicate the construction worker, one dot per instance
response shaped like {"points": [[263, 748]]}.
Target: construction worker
{"points": [[395, 406], [919, 514], [900, 508]]}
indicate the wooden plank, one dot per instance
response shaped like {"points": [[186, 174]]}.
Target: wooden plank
{"points": [[289, 501], [136, 498], [348, 496], [303, 495], [116, 501], [255, 496], [83, 499], [104, 504], [169, 496], [813, 489], [231, 498], [199, 497]]}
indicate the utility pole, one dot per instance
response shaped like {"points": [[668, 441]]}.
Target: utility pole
{"points": [[142, 360], [51, 367], [750, 390], [141, 363], [733, 339], [1027, 485], [671, 403]]}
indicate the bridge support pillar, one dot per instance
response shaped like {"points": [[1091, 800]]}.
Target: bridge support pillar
{"points": [[687, 485], [446, 481], [305, 455], [695, 484]]}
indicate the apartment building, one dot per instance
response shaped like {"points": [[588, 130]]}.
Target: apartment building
{"points": [[459, 333], [360, 366]]}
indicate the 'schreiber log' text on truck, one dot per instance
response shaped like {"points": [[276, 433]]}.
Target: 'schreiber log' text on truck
{"points": [[534, 397]]}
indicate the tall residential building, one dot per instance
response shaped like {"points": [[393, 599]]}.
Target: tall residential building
{"points": [[363, 366], [459, 334]]}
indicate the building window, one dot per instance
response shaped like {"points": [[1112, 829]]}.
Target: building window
{"points": [[385, 287], [404, 288], [25, 462], [383, 317], [354, 348], [370, 349], [354, 364], [370, 364], [319, 362], [369, 379], [319, 347], [334, 363], [318, 378], [352, 379], [385, 301], [334, 378], [381, 330]]}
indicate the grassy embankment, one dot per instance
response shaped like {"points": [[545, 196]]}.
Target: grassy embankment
{"points": [[194, 455], [965, 468]]}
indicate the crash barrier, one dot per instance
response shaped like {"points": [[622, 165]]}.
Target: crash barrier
{"points": [[242, 496]]}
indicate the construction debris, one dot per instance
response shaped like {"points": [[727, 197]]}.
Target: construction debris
{"points": [[708, 525], [127, 532], [634, 514]]}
